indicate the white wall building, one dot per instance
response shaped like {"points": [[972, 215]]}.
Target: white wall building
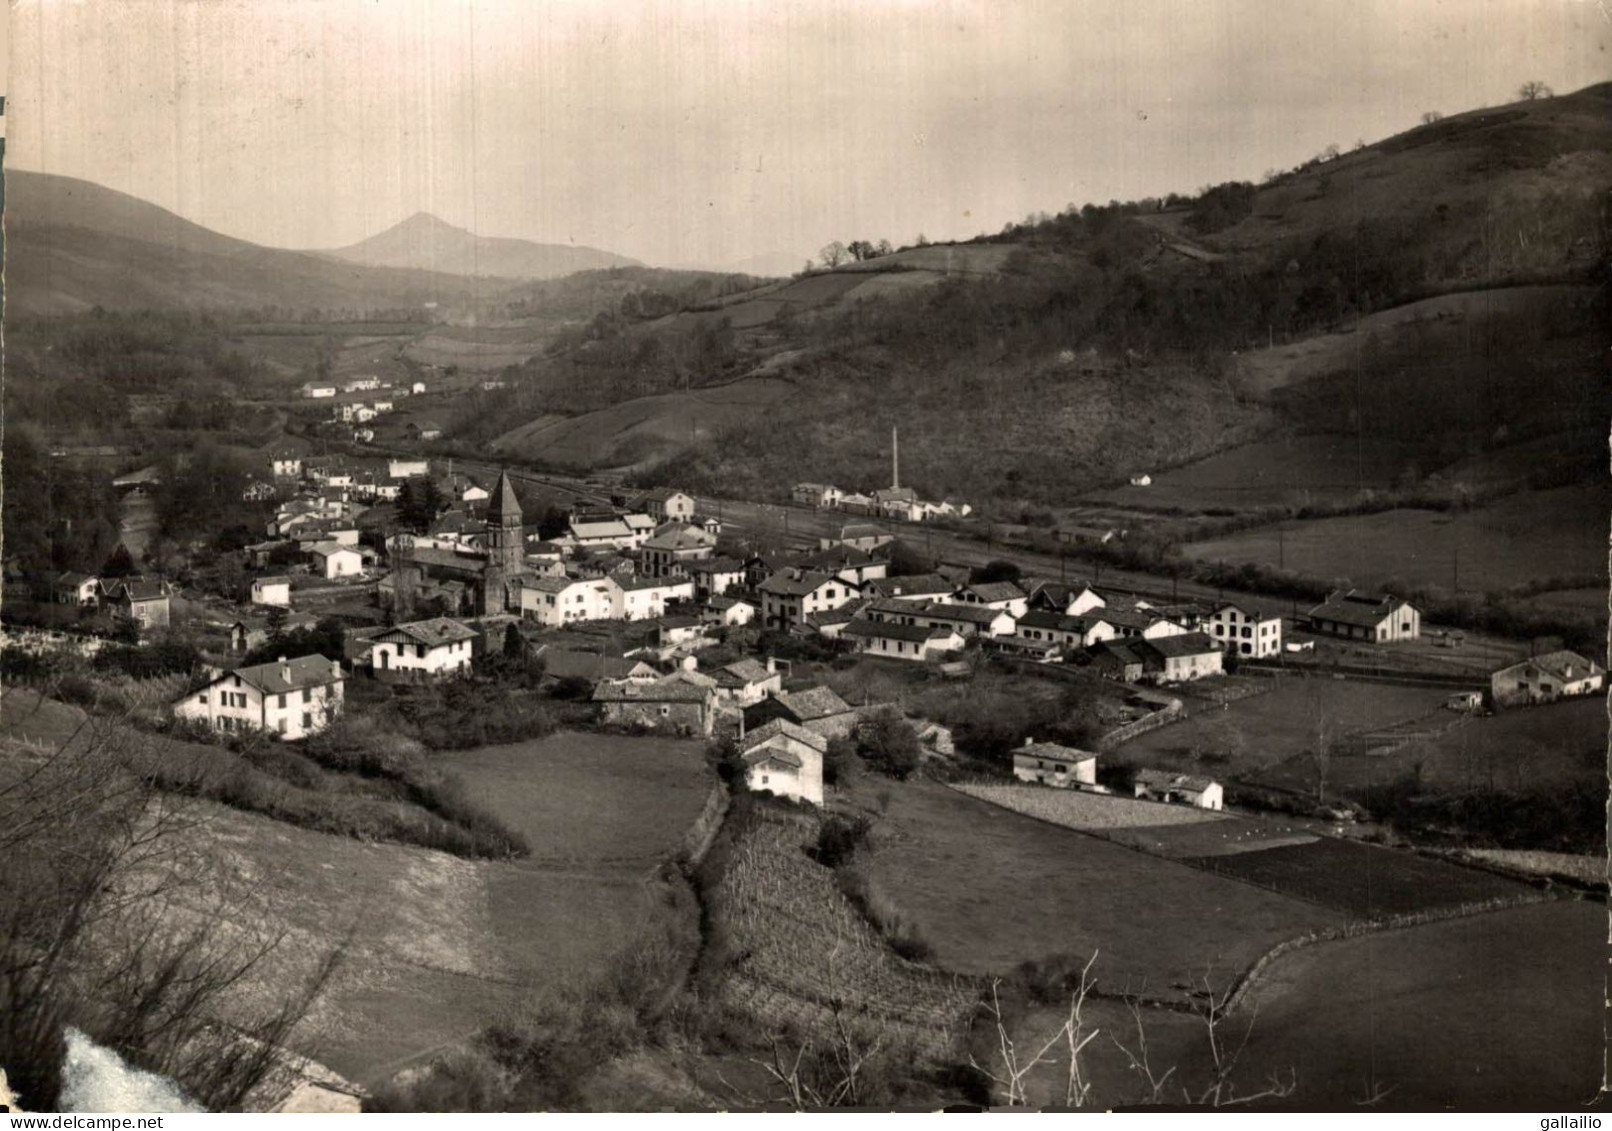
{"points": [[287, 698]]}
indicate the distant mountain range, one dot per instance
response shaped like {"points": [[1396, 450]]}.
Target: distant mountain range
{"points": [[426, 243], [72, 245]]}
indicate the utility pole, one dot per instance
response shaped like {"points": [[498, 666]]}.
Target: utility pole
{"points": [[1281, 548]]}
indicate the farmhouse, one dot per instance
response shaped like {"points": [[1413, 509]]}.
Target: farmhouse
{"points": [[857, 503], [715, 576], [407, 468], [729, 611], [1544, 679], [285, 463], [562, 663], [288, 698], [921, 643], [842, 561], [1250, 634], [271, 591], [75, 589], [830, 623], [1185, 657], [424, 649], [423, 430], [1179, 789], [642, 598], [607, 533], [1125, 661], [966, 620], [862, 536], [816, 494], [787, 601], [818, 709], [747, 681], [332, 559], [1367, 616], [138, 600], [673, 704], [1051, 764], [563, 600], [785, 760], [665, 504]]}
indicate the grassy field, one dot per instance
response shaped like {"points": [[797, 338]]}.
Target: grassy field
{"points": [[1534, 534], [1260, 731], [1360, 880], [991, 889], [1589, 602], [1496, 1012], [1294, 471], [1089, 812], [591, 799]]}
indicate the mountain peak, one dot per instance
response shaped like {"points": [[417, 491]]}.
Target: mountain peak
{"points": [[429, 242]]}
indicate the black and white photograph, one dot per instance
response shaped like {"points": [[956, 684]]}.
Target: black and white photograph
{"points": [[805, 555]]}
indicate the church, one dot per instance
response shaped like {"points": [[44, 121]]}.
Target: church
{"points": [[483, 581]]}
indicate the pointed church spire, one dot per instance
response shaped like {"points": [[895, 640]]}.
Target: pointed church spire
{"points": [[503, 503]]}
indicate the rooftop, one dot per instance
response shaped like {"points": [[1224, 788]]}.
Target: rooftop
{"points": [[432, 633], [276, 678]]}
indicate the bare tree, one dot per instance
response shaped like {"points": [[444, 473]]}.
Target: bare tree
{"points": [[1009, 1070], [111, 922], [1533, 89], [1323, 743], [833, 254], [1431, 116]]}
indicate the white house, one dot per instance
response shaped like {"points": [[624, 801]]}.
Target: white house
{"points": [[787, 601], [665, 505], [407, 468], [639, 598], [318, 390], [417, 388], [423, 649], [966, 620], [729, 611], [285, 464], [1544, 679], [287, 698], [816, 494], [271, 591], [1051, 764], [784, 759], [332, 559], [994, 595], [919, 643], [747, 681], [1043, 626], [1367, 616], [1186, 656], [1251, 634], [566, 600], [1180, 789]]}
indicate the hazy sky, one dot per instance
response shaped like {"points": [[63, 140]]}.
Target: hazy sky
{"points": [[686, 132]]}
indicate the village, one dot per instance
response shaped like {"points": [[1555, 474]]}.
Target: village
{"points": [[663, 622]]}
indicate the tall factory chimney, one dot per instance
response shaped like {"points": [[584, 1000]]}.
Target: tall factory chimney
{"points": [[895, 460]]}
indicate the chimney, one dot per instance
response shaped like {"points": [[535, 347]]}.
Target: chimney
{"points": [[895, 459], [772, 665], [285, 669], [335, 669]]}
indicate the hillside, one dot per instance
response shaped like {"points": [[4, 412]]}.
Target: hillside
{"points": [[1032, 367], [72, 245], [425, 243]]}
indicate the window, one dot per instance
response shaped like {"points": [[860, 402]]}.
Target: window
{"points": [[202, 698], [281, 702], [281, 726], [307, 721]]}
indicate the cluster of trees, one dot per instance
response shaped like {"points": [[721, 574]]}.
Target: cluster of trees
{"points": [[57, 514], [836, 253]]}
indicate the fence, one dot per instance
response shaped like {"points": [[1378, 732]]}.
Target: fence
{"points": [[1162, 717], [1367, 675]]}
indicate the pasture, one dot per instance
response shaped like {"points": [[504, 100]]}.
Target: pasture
{"points": [[1362, 881], [990, 889], [1260, 731], [1490, 1012], [1516, 749], [1291, 471], [1560, 532]]}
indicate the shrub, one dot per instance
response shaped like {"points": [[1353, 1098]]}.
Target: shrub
{"points": [[838, 838], [889, 745], [897, 929]]}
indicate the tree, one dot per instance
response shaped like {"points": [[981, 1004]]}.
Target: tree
{"points": [[998, 570], [1431, 116], [419, 503], [1533, 89], [889, 745], [833, 254], [841, 761], [1323, 743], [860, 250], [110, 922], [120, 564], [906, 560]]}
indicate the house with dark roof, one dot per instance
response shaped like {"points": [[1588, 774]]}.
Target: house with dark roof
{"points": [[288, 699], [966, 620], [818, 709], [864, 536], [672, 704], [668, 553], [665, 504], [816, 494], [896, 641], [714, 576], [786, 601], [842, 561], [70, 588], [1188, 656], [1377, 617], [923, 587], [994, 595], [595, 667], [1545, 679], [425, 649], [830, 623], [1247, 632], [1124, 660], [1044, 626], [729, 610], [784, 759], [141, 600], [1048, 763], [747, 681]]}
